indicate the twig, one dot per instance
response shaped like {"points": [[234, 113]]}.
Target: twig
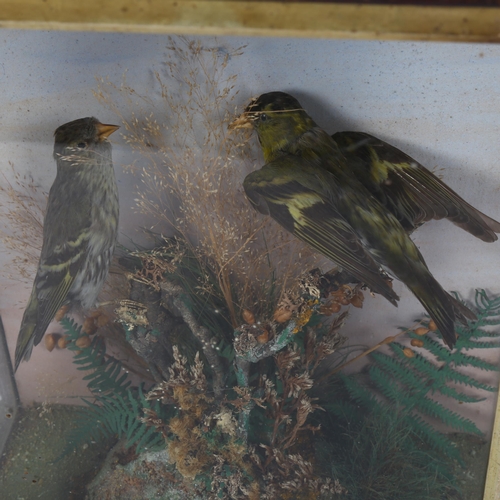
{"points": [[387, 340], [181, 301], [257, 352]]}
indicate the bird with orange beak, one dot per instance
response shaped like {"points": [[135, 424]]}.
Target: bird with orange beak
{"points": [[79, 229]]}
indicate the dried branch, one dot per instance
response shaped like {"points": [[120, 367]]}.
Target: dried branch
{"points": [[176, 295]]}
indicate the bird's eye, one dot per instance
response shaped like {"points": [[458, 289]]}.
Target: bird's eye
{"points": [[263, 117], [81, 145]]}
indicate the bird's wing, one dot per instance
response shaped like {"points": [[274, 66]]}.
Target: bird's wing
{"points": [[302, 206], [412, 192], [64, 249]]}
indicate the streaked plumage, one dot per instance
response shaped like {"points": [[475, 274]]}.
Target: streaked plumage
{"points": [[325, 196], [79, 231], [406, 188]]}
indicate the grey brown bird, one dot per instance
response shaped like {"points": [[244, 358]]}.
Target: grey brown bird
{"points": [[341, 202], [79, 229]]}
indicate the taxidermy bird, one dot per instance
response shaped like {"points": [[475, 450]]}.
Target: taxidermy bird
{"points": [[79, 229], [407, 189], [355, 201]]}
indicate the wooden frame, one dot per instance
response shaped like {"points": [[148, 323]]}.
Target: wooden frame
{"points": [[294, 19], [492, 486], [291, 19]]}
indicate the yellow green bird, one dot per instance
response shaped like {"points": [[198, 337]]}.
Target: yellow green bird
{"points": [[79, 230], [407, 189], [329, 194]]}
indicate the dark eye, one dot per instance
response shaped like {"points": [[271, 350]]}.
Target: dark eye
{"points": [[81, 145], [263, 117]]}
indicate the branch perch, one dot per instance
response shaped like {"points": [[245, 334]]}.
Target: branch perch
{"points": [[175, 295]]}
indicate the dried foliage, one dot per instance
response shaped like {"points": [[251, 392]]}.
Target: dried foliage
{"points": [[256, 340], [288, 405], [22, 212], [259, 339], [202, 438], [302, 481], [191, 172], [208, 440], [204, 441]]}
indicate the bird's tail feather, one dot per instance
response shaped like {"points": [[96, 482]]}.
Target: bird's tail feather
{"points": [[462, 312], [442, 307], [28, 334]]}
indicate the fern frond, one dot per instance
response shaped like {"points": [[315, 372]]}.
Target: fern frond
{"points": [[408, 384], [359, 393], [451, 392], [117, 415], [434, 439], [106, 373], [117, 407]]}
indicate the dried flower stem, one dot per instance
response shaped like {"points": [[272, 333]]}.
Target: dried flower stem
{"points": [[385, 341], [191, 176], [23, 211]]}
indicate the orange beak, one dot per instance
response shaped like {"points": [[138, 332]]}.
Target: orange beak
{"points": [[104, 131]]}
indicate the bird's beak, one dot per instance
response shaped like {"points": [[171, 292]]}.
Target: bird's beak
{"points": [[104, 131], [243, 121]]}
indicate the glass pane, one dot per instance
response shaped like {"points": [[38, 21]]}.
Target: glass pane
{"points": [[217, 359]]}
